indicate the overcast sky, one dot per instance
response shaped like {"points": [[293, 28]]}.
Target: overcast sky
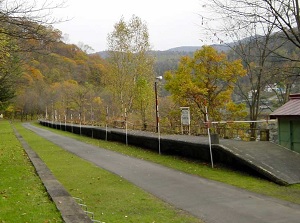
{"points": [[171, 23]]}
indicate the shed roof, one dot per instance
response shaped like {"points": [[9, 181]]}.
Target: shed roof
{"points": [[291, 108]]}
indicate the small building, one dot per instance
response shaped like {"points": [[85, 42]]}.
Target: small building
{"points": [[288, 117]]}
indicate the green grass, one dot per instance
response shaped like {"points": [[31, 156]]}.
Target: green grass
{"points": [[242, 180], [23, 197], [109, 196]]}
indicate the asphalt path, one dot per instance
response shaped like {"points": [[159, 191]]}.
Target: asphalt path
{"points": [[211, 201]]}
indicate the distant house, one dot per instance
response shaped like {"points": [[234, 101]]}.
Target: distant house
{"points": [[274, 87], [288, 117]]}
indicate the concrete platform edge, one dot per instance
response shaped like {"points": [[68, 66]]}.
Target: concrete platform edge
{"points": [[70, 211]]}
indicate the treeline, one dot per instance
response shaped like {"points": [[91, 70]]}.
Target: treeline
{"points": [[60, 78], [58, 81], [41, 75]]}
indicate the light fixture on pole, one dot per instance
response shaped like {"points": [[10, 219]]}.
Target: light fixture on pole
{"points": [[157, 111], [52, 112], [156, 102]]}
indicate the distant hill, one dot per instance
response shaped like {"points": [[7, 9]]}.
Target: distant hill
{"points": [[192, 49], [103, 54], [182, 50], [168, 59], [222, 47]]}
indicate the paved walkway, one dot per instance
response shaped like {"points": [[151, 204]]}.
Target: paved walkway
{"points": [[277, 163], [211, 201]]}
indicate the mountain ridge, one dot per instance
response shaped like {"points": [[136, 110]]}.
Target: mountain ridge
{"points": [[180, 49], [218, 47]]}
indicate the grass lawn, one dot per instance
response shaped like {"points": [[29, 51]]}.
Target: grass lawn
{"points": [[289, 193], [23, 197], [109, 196]]}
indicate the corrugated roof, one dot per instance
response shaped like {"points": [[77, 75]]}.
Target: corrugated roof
{"points": [[291, 108]]}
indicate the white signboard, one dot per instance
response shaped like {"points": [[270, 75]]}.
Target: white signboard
{"points": [[185, 115]]}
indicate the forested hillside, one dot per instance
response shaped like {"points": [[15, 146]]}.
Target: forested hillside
{"points": [[40, 75], [166, 60], [59, 78], [56, 75]]}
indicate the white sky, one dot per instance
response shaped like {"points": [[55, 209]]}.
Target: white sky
{"points": [[171, 23]]}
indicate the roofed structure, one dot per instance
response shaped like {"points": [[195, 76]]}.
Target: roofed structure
{"points": [[288, 117], [291, 108]]}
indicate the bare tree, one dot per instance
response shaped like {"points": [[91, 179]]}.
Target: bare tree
{"points": [[255, 36], [286, 15], [20, 23], [29, 21], [25, 20], [282, 15]]}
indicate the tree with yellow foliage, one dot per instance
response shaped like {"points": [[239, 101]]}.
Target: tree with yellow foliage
{"points": [[131, 76], [206, 80]]}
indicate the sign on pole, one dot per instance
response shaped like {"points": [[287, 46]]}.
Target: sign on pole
{"points": [[185, 118]]}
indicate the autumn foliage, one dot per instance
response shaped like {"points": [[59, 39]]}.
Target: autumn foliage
{"points": [[206, 80]]}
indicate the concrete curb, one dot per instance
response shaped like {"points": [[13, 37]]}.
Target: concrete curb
{"points": [[70, 211]]}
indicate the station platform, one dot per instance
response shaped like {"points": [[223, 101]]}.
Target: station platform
{"points": [[270, 160]]}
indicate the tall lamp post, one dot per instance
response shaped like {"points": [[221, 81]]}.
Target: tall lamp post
{"points": [[52, 113], [157, 111]]}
